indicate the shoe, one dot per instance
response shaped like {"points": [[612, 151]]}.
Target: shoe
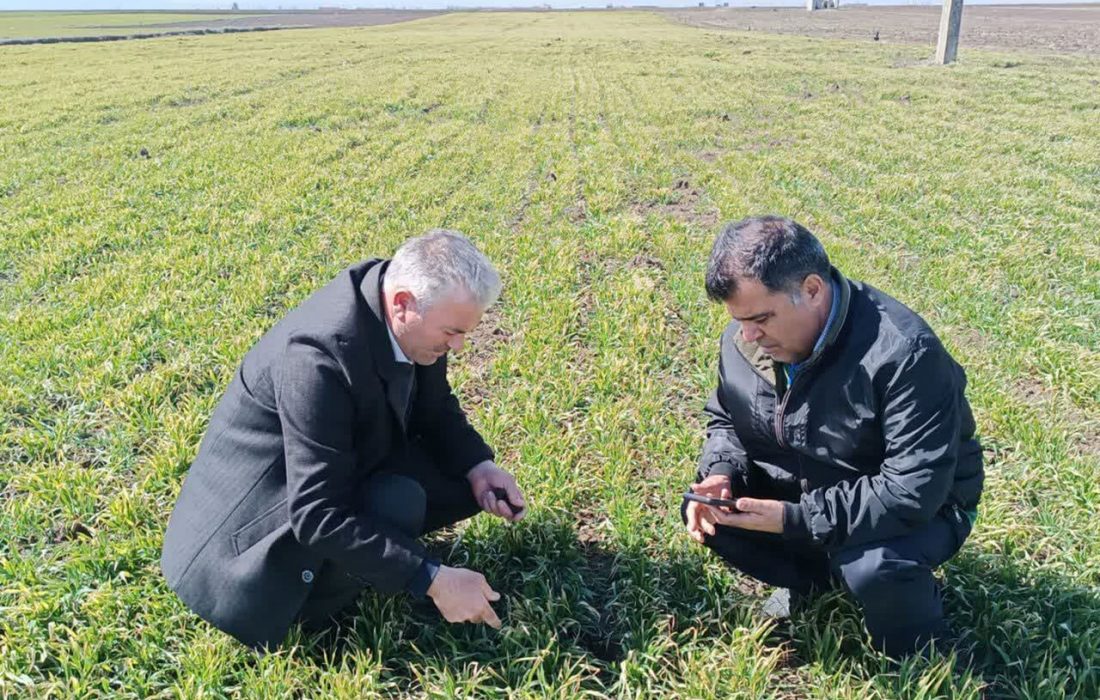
{"points": [[778, 605]]}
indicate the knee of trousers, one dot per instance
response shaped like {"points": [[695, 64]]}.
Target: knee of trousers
{"points": [[875, 575], [399, 500]]}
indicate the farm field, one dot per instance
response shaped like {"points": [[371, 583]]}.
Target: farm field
{"points": [[153, 225]]}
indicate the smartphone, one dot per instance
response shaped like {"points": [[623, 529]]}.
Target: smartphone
{"points": [[708, 500]]}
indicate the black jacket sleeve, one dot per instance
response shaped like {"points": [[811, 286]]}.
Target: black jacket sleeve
{"points": [[317, 412], [723, 453], [452, 441], [920, 431]]}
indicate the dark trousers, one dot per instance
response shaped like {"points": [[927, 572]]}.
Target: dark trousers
{"points": [[411, 492], [891, 579]]}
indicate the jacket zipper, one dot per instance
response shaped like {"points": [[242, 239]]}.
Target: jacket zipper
{"points": [[782, 405], [779, 409]]}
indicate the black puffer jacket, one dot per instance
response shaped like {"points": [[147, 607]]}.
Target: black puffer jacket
{"points": [[874, 431]]}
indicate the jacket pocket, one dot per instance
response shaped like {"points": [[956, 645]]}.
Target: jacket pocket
{"points": [[259, 527]]}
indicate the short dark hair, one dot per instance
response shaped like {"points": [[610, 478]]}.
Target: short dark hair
{"points": [[776, 251]]}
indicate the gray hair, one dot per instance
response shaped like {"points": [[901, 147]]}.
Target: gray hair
{"points": [[442, 262], [777, 252]]}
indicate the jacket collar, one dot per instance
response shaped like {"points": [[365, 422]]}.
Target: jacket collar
{"points": [[768, 368], [841, 316], [387, 366]]}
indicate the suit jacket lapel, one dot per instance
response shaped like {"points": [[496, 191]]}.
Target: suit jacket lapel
{"points": [[387, 366]]}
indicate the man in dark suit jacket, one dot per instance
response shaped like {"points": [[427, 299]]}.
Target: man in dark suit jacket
{"points": [[337, 444]]}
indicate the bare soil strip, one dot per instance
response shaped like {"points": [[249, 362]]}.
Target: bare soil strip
{"points": [[1046, 28], [128, 37], [249, 23], [319, 18]]}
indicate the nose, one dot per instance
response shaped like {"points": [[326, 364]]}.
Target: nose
{"points": [[750, 332], [456, 343]]}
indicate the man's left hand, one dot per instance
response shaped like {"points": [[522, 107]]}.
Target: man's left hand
{"points": [[756, 514], [488, 482]]}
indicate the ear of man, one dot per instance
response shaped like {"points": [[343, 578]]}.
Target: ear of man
{"points": [[404, 303], [813, 289]]}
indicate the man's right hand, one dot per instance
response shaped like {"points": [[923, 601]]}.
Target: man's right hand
{"points": [[463, 595], [702, 518]]}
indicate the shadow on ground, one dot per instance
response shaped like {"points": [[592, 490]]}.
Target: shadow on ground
{"points": [[588, 601], [1015, 629], [591, 604]]}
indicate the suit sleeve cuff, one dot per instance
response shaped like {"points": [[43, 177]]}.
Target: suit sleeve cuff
{"points": [[477, 463], [795, 526], [422, 579]]}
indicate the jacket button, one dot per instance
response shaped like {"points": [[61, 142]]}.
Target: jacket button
{"points": [[307, 576]]}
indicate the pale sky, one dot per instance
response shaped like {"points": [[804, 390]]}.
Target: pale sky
{"points": [[433, 4]]}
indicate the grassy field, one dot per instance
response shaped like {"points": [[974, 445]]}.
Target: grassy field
{"points": [[154, 225], [27, 25]]}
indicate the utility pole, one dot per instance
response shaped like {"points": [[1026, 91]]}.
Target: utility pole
{"points": [[950, 21]]}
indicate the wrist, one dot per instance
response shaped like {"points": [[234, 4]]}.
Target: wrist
{"points": [[437, 580], [479, 468], [793, 523]]}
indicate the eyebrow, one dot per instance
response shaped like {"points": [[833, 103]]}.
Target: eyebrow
{"points": [[756, 317]]}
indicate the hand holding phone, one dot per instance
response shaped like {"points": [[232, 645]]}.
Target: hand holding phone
{"points": [[715, 491], [711, 501]]}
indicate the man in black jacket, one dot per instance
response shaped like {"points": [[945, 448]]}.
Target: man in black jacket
{"points": [[840, 427], [337, 444]]}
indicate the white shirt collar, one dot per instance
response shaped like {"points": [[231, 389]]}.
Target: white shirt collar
{"points": [[398, 353]]}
